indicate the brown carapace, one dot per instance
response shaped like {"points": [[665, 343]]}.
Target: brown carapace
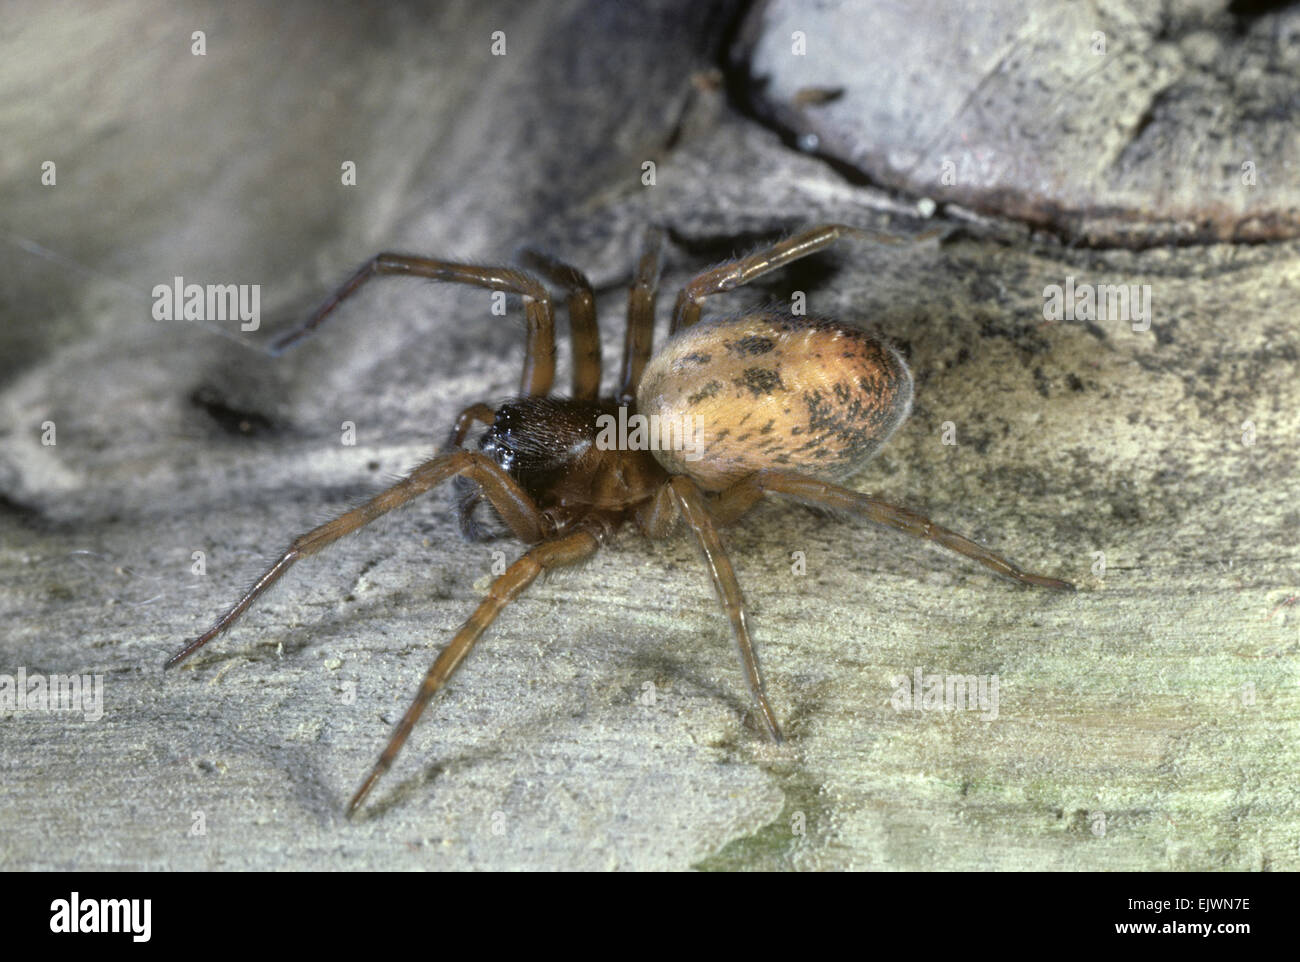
{"points": [[746, 406]]}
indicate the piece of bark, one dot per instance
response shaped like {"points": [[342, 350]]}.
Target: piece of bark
{"points": [[1135, 124]]}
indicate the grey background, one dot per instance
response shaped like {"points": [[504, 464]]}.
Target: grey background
{"points": [[1148, 722]]}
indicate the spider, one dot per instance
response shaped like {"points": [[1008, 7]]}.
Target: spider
{"points": [[772, 403]]}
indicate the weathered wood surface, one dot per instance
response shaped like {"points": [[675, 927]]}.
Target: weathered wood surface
{"points": [[1147, 722], [1122, 124]]}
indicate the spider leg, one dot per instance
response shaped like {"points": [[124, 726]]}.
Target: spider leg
{"points": [[480, 413], [582, 318], [469, 494], [641, 314], [733, 502], [656, 516], [564, 550], [691, 503], [825, 495], [734, 273], [539, 359], [510, 500]]}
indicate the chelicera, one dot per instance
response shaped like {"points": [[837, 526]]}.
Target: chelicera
{"points": [[776, 404]]}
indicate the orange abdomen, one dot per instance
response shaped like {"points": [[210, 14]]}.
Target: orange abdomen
{"points": [[773, 391]]}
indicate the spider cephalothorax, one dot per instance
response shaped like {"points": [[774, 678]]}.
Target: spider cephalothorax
{"points": [[727, 411]]}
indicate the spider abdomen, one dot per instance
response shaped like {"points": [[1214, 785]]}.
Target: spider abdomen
{"points": [[768, 390]]}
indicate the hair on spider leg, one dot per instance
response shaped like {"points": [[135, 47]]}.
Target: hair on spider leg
{"points": [[822, 395], [549, 575]]}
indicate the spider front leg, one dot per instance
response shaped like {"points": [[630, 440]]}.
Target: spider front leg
{"points": [[690, 501], [639, 337], [539, 359], [514, 505], [743, 495], [565, 550], [474, 414], [583, 331], [734, 273]]}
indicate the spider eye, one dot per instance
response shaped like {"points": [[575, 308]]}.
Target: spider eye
{"points": [[496, 445]]}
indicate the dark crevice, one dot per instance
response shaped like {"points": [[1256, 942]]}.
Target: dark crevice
{"points": [[721, 21], [1245, 13], [1143, 122], [230, 419], [744, 94], [26, 515]]}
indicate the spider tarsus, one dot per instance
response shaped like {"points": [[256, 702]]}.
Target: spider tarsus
{"points": [[1042, 581], [185, 652], [1055, 583], [1038, 581], [769, 720], [288, 339], [363, 791]]}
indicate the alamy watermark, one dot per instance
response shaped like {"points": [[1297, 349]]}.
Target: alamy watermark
{"points": [[37, 692], [77, 915], [640, 432], [1098, 302], [922, 692], [179, 301]]}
